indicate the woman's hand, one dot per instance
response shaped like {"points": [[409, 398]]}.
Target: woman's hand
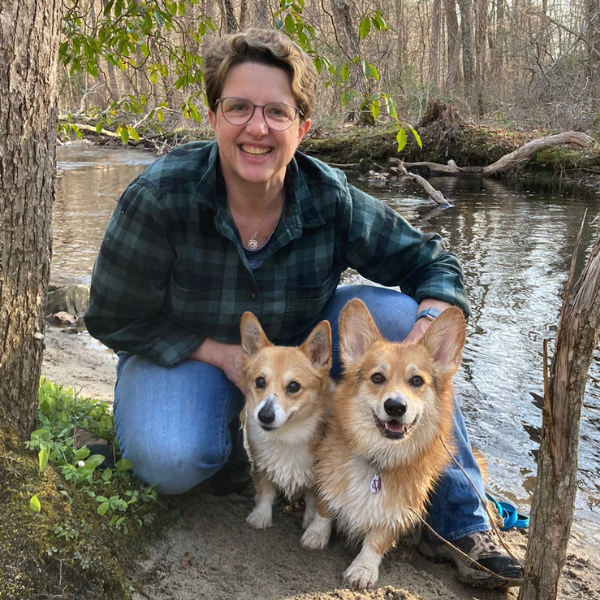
{"points": [[422, 325], [227, 357]]}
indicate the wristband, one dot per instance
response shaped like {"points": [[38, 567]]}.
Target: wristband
{"points": [[431, 313]]}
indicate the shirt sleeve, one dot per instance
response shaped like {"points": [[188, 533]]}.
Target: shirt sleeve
{"points": [[130, 282], [383, 247]]}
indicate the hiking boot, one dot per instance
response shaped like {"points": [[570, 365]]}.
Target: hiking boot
{"points": [[482, 548], [234, 477]]}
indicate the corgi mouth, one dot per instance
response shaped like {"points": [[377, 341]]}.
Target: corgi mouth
{"points": [[394, 429]]}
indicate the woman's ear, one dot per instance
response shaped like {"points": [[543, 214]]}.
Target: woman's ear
{"points": [[303, 130], [212, 117]]}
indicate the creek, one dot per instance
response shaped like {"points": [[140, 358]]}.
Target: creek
{"points": [[515, 243]]}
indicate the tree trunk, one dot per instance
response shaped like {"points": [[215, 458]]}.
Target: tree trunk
{"points": [[29, 38], [452, 74], [466, 30], [556, 485], [593, 48], [344, 24], [434, 48], [228, 16]]}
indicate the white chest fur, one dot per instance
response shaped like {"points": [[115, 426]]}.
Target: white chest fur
{"points": [[286, 459], [367, 502]]}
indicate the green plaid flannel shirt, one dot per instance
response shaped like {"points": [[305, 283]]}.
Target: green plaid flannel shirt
{"points": [[172, 272]]}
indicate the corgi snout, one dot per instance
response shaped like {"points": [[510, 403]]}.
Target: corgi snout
{"points": [[395, 407], [269, 415], [266, 413], [395, 417]]}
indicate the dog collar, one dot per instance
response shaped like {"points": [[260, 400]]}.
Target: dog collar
{"points": [[431, 313]]}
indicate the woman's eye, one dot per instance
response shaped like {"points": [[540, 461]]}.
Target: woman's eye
{"points": [[377, 378], [416, 381], [260, 383], [293, 387]]}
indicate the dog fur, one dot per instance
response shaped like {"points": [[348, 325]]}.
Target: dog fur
{"points": [[288, 391], [382, 451]]}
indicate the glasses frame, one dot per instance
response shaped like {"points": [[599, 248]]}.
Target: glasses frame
{"points": [[297, 111]]}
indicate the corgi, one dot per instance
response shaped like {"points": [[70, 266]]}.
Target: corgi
{"points": [[382, 451], [287, 393]]}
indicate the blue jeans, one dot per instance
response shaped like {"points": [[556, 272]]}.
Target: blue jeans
{"points": [[178, 425]]}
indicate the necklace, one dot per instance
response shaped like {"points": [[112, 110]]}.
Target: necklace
{"points": [[252, 242]]}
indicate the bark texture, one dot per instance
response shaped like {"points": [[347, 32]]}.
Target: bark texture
{"points": [[29, 37], [556, 485]]}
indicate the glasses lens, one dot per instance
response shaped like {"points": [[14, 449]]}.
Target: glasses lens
{"points": [[279, 116], [237, 110]]}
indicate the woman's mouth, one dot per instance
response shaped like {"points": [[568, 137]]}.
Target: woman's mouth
{"points": [[255, 151]]}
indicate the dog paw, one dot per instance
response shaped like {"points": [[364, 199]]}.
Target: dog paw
{"points": [[314, 540], [361, 576], [260, 519]]}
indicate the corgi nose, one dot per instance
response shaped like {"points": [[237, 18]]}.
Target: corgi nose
{"points": [[266, 414], [394, 407]]}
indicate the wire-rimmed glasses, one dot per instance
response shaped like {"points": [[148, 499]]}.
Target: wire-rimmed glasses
{"points": [[278, 115]]}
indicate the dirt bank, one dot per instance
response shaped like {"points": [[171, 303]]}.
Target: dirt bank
{"points": [[212, 553]]}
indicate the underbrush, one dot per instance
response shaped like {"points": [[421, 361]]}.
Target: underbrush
{"points": [[68, 525]]}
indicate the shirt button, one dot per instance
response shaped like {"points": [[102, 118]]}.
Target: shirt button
{"points": [[253, 295]]}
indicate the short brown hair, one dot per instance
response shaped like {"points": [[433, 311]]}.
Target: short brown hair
{"points": [[262, 46]]}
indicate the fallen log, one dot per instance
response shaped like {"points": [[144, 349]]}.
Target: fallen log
{"points": [[519, 156]]}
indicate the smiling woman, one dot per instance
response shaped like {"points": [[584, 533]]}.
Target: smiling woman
{"points": [[248, 223]]}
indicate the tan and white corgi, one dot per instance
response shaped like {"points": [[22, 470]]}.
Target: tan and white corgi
{"points": [[287, 394], [382, 451]]}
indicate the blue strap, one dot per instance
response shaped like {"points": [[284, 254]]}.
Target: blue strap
{"points": [[508, 514]]}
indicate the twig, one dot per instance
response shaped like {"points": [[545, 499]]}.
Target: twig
{"points": [[434, 194]]}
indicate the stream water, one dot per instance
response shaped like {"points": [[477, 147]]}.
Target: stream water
{"points": [[515, 244]]}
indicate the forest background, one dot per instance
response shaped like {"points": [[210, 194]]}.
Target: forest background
{"points": [[135, 67]]}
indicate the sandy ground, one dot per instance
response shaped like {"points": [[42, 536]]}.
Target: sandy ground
{"points": [[212, 553]]}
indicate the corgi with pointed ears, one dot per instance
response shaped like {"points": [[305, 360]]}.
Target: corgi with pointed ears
{"points": [[383, 447], [288, 390]]}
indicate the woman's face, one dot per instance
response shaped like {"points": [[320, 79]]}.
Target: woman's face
{"points": [[253, 153]]}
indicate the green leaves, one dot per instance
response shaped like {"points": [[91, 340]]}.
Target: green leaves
{"points": [[34, 504], [60, 412], [376, 20]]}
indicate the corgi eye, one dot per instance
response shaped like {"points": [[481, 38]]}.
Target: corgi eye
{"points": [[377, 378], [260, 383], [416, 381], [293, 387]]}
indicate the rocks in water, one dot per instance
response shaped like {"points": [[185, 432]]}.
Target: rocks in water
{"points": [[73, 299]]}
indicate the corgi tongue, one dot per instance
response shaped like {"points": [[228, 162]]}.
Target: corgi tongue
{"points": [[394, 426]]}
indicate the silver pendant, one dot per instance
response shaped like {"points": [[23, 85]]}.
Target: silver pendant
{"points": [[252, 243]]}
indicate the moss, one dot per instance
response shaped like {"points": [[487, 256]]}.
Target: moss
{"points": [[66, 549], [467, 145]]}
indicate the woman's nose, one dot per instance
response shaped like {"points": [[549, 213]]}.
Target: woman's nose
{"points": [[257, 123]]}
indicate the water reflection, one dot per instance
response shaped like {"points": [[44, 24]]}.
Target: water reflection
{"points": [[515, 246], [89, 182]]}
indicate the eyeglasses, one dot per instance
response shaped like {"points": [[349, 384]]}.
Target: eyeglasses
{"points": [[278, 116]]}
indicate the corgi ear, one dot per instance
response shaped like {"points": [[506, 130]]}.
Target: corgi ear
{"points": [[252, 334], [446, 337], [317, 345], [357, 331]]}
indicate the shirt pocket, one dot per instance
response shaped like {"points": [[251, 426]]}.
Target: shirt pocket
{"points": [[304, 304], [199, 308]]}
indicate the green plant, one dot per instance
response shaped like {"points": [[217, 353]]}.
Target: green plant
{"points": [[60, 412]]}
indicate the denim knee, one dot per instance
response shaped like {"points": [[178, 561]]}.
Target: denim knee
{"points": [[174, 469]]}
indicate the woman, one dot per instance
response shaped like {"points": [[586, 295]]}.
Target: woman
{"points": [[249, 223]]}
